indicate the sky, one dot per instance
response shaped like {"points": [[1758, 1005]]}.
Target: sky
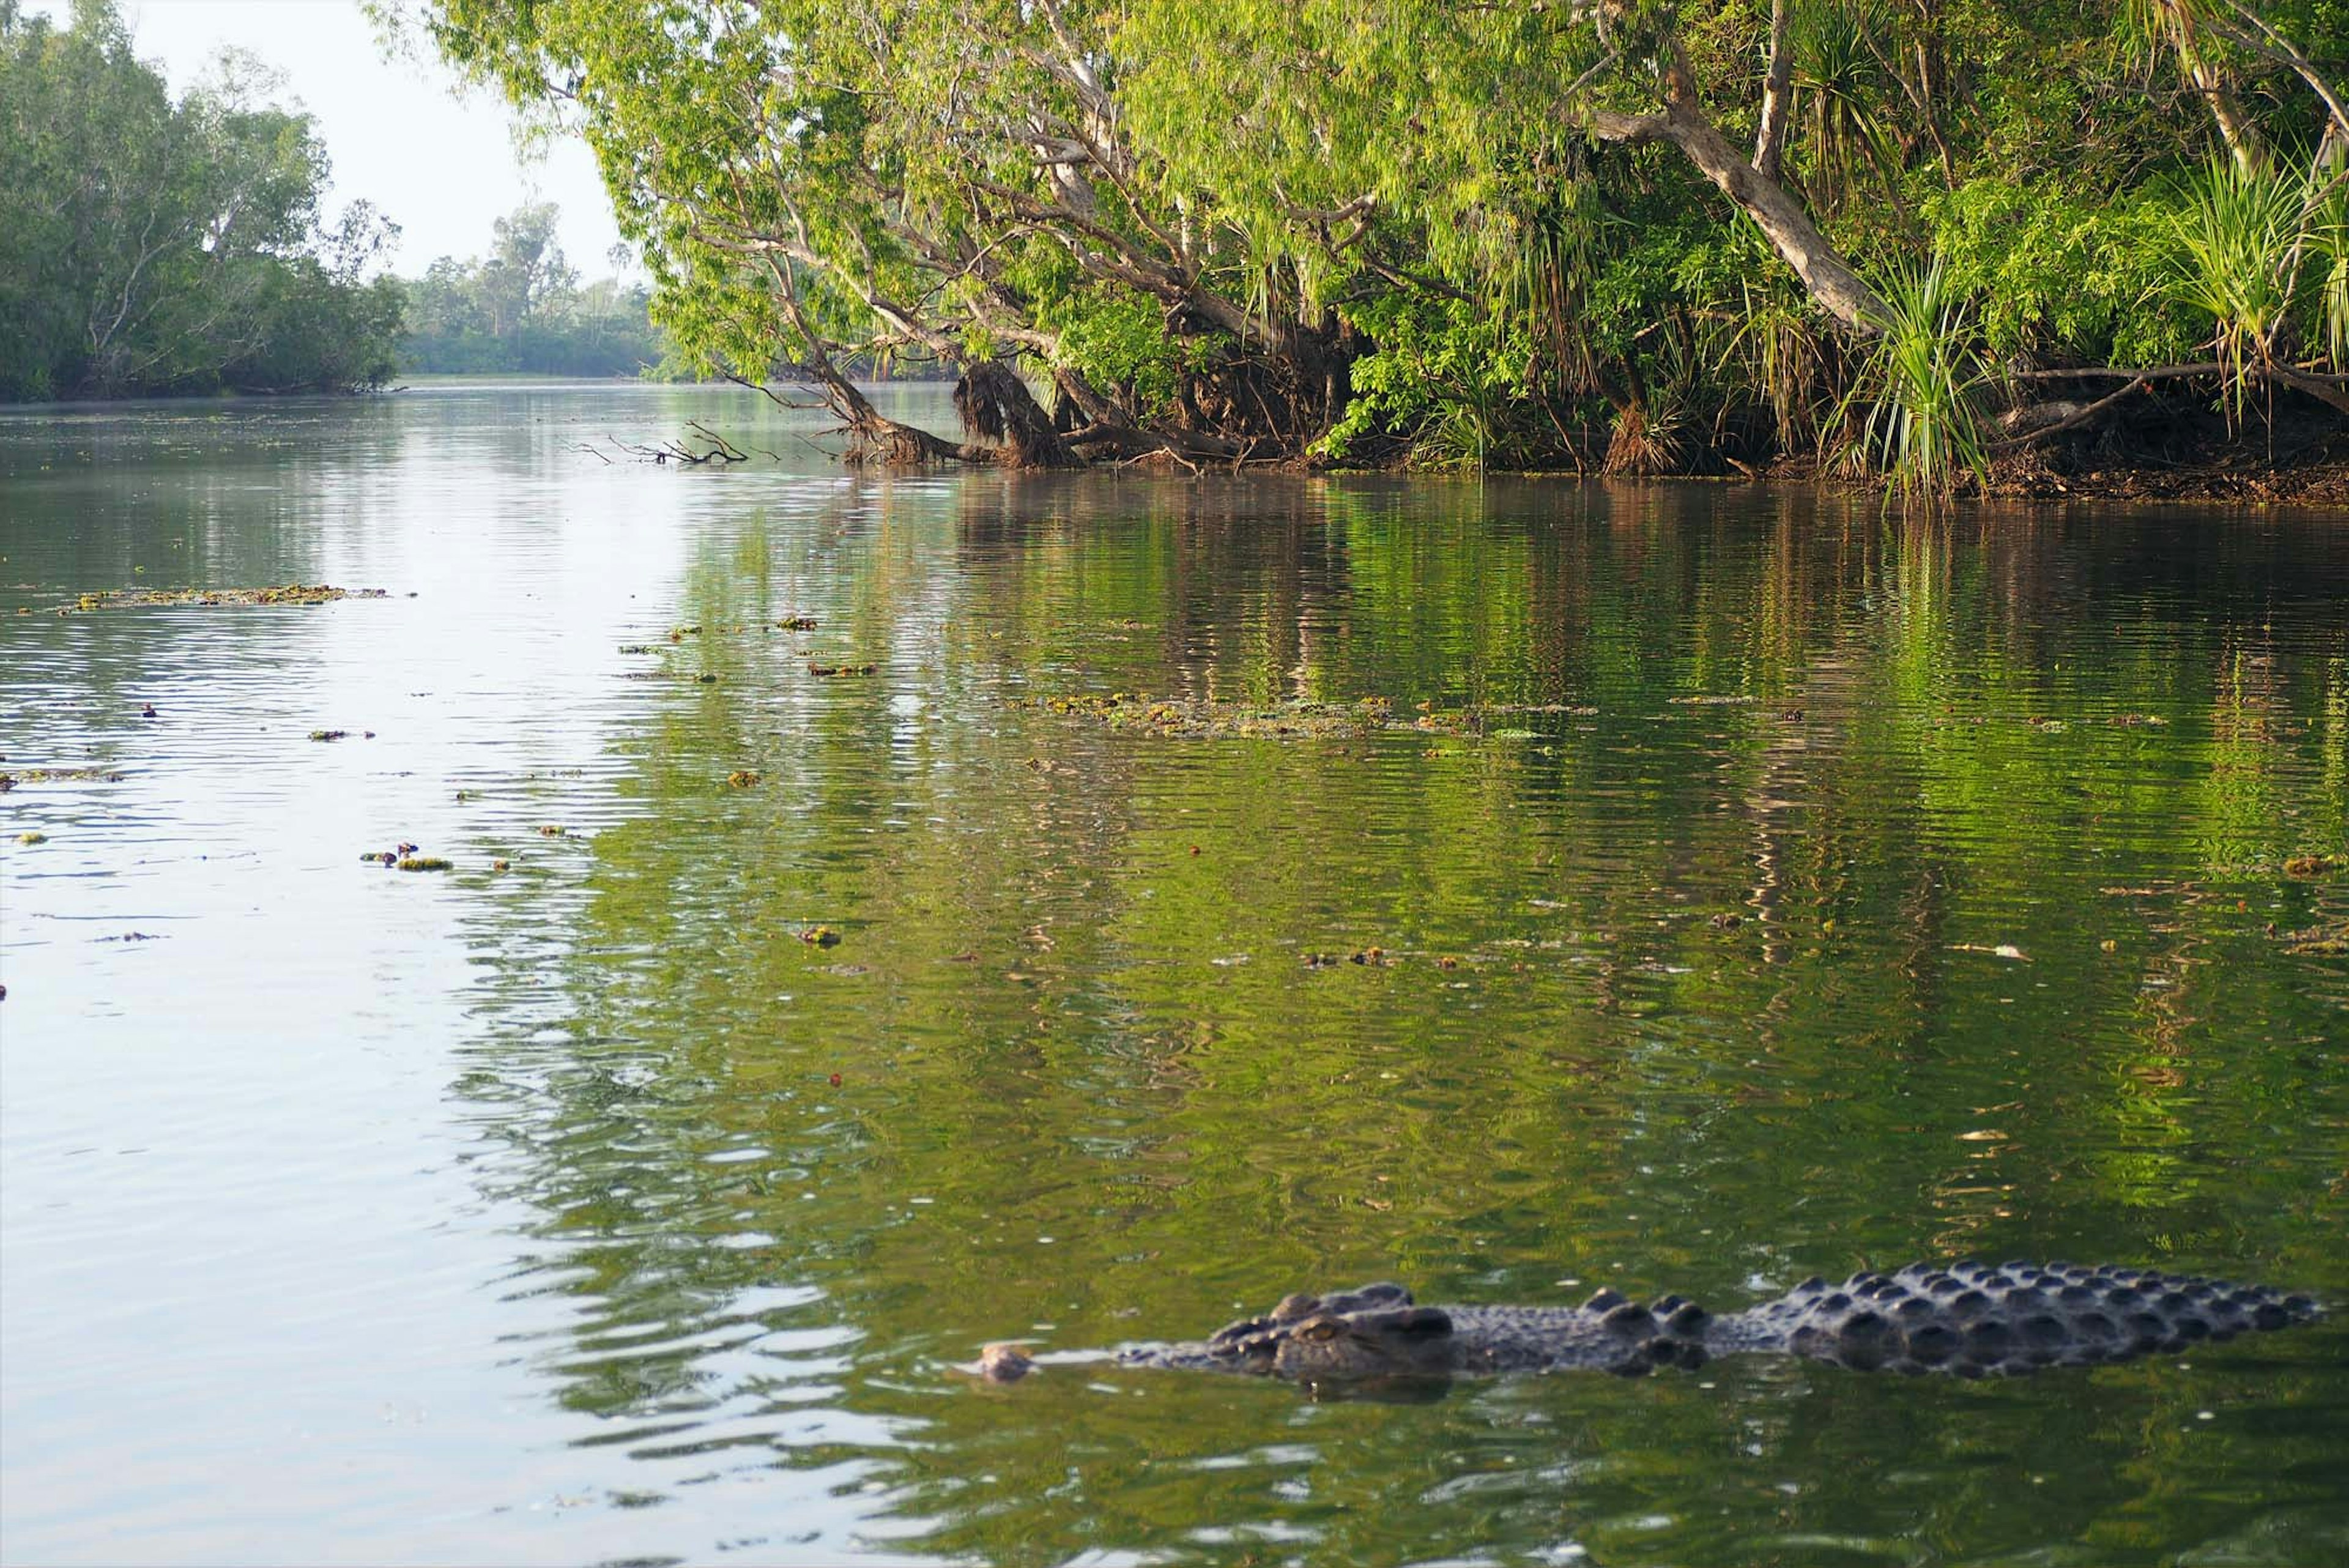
{"points": [[440, 163]]}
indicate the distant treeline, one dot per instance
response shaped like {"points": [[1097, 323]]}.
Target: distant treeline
{"points": [[522, 310], [149, 247]]}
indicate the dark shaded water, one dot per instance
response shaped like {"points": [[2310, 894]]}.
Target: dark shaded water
{"points": [[582, 1211]]}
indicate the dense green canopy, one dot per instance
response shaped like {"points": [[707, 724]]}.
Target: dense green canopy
{"points": [[1517, 233], [153, 247]]}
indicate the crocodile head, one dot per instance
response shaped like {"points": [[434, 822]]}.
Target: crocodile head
{"points": [[1394, 1342], [1373, 1332]]}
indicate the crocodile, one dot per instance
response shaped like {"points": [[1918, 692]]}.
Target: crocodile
{"points": [[1964, 1319]]}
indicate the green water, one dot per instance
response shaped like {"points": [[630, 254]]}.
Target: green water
{"points": [[1868, 892]]}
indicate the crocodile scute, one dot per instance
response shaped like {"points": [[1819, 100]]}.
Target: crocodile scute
{"points": [[1964, 1319], [1974, 1320]]}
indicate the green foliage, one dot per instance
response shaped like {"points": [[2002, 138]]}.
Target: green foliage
{"points": [[520, 309], [1371, 230], [1443, 378], [1841, 86], [1911, 405], [2328, 243], [2254, 255], [2060, 273], [148, 246], [1122, 346]]}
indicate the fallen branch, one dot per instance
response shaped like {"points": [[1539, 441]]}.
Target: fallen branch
{"points": [[2323, 387], [2072, 420], [2109, 372], [724, 449], [2333, 390]]}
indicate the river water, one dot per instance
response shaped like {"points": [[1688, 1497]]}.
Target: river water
{"points": [[1771, 888]]}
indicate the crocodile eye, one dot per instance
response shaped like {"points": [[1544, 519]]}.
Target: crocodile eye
{"points": [[1323, 1330]]}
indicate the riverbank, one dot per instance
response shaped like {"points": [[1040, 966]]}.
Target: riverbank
{"points": [[2174, 450]]}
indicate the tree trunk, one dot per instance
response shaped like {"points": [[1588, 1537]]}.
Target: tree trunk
{"points": [[2241, 138], [1777, 93], [996, 404], [1830, 280]]}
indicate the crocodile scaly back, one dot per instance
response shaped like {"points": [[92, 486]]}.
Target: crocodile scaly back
{"points": [[1971, 1320]]}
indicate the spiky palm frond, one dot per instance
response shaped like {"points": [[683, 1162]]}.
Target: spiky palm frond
{"points": [[2241, 253], [1913, 406], [1839, 81]]}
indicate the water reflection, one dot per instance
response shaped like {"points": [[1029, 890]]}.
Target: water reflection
{"points": [[1866, 891], [1837, 890]]}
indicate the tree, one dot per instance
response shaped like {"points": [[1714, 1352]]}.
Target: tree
{"points": [[148, 246], [1281, 229], [520, 309], [525, 281]]}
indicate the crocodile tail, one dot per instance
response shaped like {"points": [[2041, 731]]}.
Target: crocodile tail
{"points": [[1972, 1319]]}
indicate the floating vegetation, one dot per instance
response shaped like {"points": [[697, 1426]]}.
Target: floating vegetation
{"points": [[818, 935], [1708, 701], [2319, 941], [422, 862], [1209, 719], [2313, 865], [290, 593], [638, 648], [742, 778], [58, 775], [833, 670], [552, 830], [680, 633], [1205, 719], [796, 623], [1369, 957], [330, 734]]}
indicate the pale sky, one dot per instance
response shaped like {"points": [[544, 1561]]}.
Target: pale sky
{"points": [[440, 165]]}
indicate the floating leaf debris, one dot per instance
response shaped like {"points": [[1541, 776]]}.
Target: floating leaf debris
{"points": [[58, 775], [289, 593], [1200, 718]]}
